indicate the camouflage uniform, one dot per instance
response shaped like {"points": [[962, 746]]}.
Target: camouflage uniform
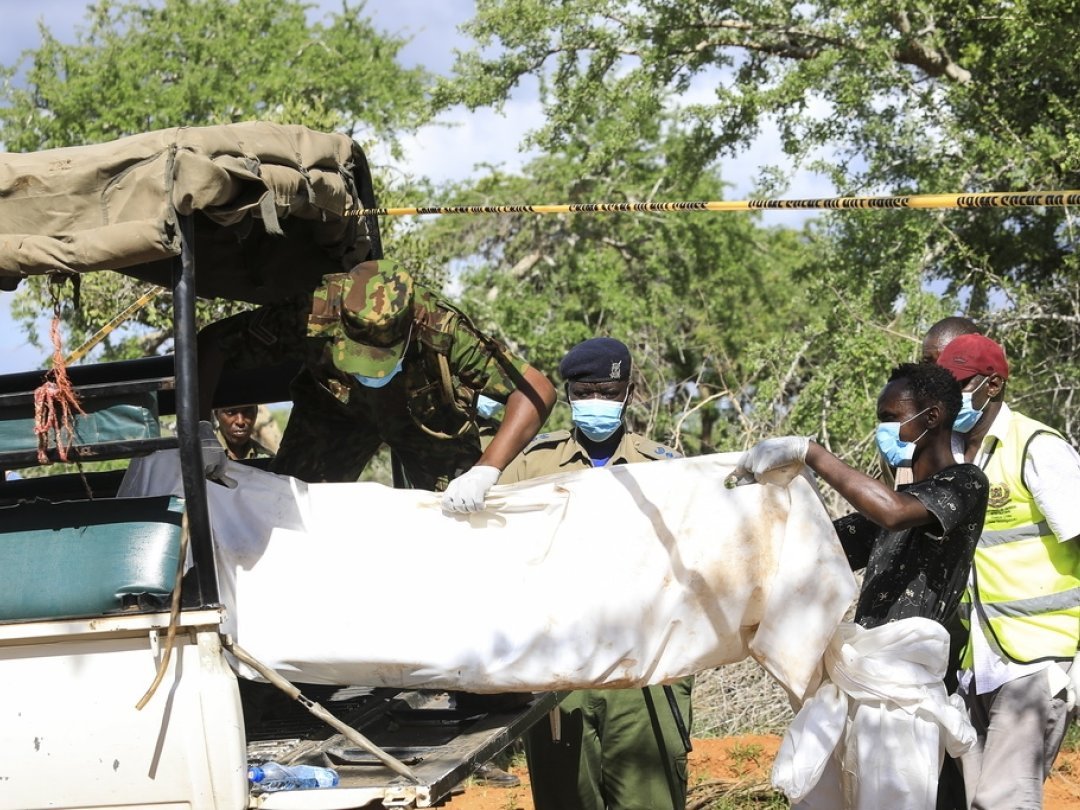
{"points": [[426, 414], [620, 749]]}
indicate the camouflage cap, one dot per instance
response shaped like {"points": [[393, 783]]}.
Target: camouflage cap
{"points": [[376, 312]]}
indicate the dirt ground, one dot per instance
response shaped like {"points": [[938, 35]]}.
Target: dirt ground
{"points": [[725, 765]]}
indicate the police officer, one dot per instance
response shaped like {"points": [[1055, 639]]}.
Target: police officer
{"points": [[235, 431], [386, 361], [616, 749], [598, 387]]}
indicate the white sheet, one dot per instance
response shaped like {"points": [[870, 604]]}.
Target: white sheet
{"points": [[875, 733], [620, 577]]}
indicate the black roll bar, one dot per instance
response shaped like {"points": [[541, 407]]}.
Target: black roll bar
{"points": [[187, 414]]}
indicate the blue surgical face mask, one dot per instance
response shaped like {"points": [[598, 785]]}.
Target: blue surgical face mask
{"points": [[896, 451], [487, 407], [969, 415], [379, 382], [597, 419]]}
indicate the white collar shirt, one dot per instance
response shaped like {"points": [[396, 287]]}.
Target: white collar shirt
{"points": [[1052, 474]]}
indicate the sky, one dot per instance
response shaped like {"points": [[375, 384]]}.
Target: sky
{"points": [[477, 137]]}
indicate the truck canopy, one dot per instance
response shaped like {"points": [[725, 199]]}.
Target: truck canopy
{"points": [[271, 206]]}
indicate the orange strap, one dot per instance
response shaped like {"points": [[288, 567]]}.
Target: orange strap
{"points": [[55, 398]]}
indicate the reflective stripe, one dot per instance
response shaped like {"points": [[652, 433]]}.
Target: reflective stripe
{"points": [[1028, 583], [1000, 537], [1035, 605]]}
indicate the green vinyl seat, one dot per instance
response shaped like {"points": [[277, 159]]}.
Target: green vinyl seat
{"points": [[104, 419], [87, 558]]}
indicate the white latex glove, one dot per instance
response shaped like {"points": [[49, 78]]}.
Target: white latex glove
{"points": [[1073, 689], [466, 492], [772, 454], [213, 456]]}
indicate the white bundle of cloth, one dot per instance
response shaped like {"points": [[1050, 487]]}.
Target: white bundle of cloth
{"points": [[616, 577], [876, 731]]}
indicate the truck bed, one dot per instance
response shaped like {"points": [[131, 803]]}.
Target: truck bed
{"points": [[440, 743]]}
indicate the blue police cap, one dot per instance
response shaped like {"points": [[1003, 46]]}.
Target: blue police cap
{"points": [[596, 360]]}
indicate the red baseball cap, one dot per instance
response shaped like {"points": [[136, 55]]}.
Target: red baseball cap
{"points": [[968, 355]]}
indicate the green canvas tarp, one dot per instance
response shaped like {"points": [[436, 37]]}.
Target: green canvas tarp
{"points": [[270, 206]]}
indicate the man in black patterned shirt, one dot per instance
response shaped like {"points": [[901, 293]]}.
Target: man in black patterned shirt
{"points": [[916, 543]]}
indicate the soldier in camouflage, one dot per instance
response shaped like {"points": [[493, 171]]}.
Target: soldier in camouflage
{"points": [[617, 749], [385, 361]]}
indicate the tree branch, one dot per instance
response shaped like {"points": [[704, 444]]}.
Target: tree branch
{"points": [[931, 61]]}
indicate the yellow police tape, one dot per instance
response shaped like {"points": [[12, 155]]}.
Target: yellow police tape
{"points": [[115, 322], [993, 199]]}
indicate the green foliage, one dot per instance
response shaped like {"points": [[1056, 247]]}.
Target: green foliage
{"points": [[281, 415], [1072, 738], [694, 295], [100, 298], [745, 753], [60, 468], [738, 330], [944, 97], [136, 67]]}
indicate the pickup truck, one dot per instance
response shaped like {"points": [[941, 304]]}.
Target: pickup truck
{"points": [[119, 685]]}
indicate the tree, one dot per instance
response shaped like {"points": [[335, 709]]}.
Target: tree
{"points": [[865, 79], [694, 295], [137, 67], [941, 96]]}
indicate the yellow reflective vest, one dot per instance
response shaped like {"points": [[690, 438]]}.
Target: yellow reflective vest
{"points": [[1027, 582]]}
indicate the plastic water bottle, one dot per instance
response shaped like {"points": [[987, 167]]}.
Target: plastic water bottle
{"points": [[269, 777]]}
